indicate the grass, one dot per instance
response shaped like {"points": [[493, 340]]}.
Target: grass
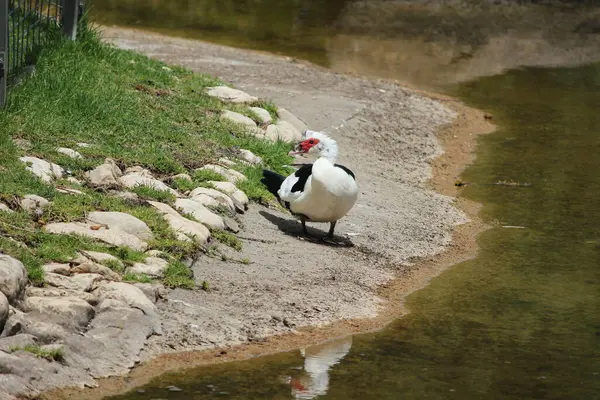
{"points": [[127, 107], [141, 278], [227, 239], [149, 193], [49, 354]]}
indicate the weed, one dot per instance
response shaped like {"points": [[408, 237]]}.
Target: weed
{"points": [[141, 278], [178, 274], [56, 354], [227, 238]]}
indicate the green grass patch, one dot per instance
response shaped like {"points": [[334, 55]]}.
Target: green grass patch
{"points": [[56, 354], [183, 185], [178, 274], [227, 238], [141, 278], [205, 175], [149, 193]]}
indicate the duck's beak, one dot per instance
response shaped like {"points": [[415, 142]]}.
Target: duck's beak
{"points": [[297, 150]]}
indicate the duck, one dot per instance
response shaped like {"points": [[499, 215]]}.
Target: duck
{"points": [[319, 192]]}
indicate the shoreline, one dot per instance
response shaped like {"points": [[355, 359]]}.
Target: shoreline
{"points": [[458, 139]]}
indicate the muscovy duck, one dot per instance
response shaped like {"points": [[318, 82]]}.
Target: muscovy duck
{"points": [[320, 192]]}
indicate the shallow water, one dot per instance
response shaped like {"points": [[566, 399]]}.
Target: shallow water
{"points": [[522, 320]]}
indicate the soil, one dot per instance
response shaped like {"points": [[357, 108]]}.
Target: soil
{"points": [[407, 149]]}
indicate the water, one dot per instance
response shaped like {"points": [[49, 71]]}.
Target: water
{"points": [[522, 320]]}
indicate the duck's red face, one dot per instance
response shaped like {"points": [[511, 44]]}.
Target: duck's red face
{"points": [[305, 146]]}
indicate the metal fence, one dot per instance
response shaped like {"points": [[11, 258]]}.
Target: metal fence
{"points": [[26, 26]]}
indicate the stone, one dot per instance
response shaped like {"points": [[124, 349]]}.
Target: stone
{"points": [[148, 290], [138, 170], [90, 298], [152, 266], [95, 268], [159, 254], [220, 197], [240, 200], [57, 268], [237, 118], [128, 196], [182, 176], [5, 208], [105, 175], [200, 213], [44, 170], [250, 157], [84, 145], [22, 144], [13, 278], [284, 131], [43, 327], [133, 180], [225, 93], [230, 175], [133, 297], [74, 180], [206, 200], [265, 117], [99, 257], [19, 340], [112, 236], [69, 152], [32, 202], [231, 224], [75, 309], [83, 282], [186, 228], [3, 310], [227, 162], [123, 222], [285, 115], [87, 282]]}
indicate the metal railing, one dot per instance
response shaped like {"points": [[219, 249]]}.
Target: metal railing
{"points": [[26, 27]]}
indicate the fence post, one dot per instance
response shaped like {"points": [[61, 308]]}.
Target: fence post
{"points": [[70, 14], [3, 49]]}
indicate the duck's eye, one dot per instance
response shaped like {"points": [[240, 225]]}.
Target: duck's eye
{"points": [[311, 141]]}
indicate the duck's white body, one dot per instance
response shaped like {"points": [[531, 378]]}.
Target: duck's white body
{"points": [[328, 194]]}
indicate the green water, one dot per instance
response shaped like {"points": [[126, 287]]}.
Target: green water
{"points": [[522, 320]]}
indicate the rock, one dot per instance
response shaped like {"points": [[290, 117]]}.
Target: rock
{"points": [[128, 196], [153, 291], [221, 197], [87, 282], [138, 170], [3, 310], [44, 170], [265, 117], [201, 213], [69, 152], [231, 175], [205, 200], [74, 180], [57, 268], [84, 282], [132, 296], [20, 340], [32, 202], [226, 93], [227, 162], [283, 130], [240, 200], [95, 268], [104, 175], [133, 180], [22, 144], [99, 257], [231, 224], [122, 221], [112, 236], [13, 278], [75, 309], [237, 118], [85, 145], [5, 208], [41, 326], [285, 115], [152, 266], [56, 292], [189, 229], [250, 157], [182, 176], [159, 254]]}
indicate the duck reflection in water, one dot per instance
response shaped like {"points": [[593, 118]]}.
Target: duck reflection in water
{"points": [[314, 378]]}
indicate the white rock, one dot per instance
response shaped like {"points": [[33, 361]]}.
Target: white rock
{"points": [[205, 200], [105, 174], [33, 291], [59, 281], [285, 115], [221, 197], [138, 170], [77, 283], [128, 196], [5, 208], [237, 118], [227, 162], [229, 174], [123, 222], [240, 200], [263, 114], [95, 268], [3, 310], [44, 170], [69, 152], [83, 144], [226, 93], [250, 157], [32, 202], [112, 236], [98, 256], [133, 180], [13, 277], [73, 308], [57, 268], [152, 266], [88, 282], [186, 228], [182, 176], [201, 213], [283, 130], [74, 180]]}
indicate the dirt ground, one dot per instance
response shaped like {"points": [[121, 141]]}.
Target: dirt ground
{"points": [[295, 292]]}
